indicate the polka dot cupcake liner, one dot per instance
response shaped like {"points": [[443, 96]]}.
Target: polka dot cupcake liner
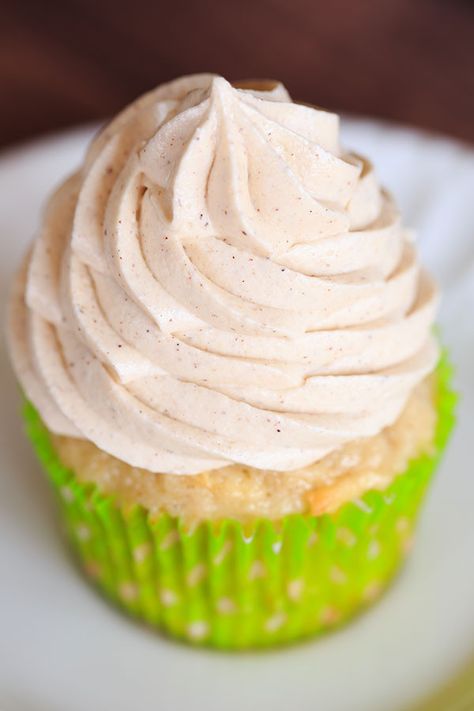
{"points": [[232, 586]]}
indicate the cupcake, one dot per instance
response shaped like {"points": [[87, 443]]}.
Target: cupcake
{"points": [[225, 344]]}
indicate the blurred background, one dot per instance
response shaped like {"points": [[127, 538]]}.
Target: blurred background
{"points": [[65, 62]]}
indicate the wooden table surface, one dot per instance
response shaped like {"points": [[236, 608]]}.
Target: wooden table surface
{"points": [[67, 61]]}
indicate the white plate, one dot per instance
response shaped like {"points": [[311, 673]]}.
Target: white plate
{"points": [[63, 649]]}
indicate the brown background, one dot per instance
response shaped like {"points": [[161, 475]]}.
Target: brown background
{"points": [[69, 61]]}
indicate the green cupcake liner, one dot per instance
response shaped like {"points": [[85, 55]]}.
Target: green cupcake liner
{"points": [[232, 586]]}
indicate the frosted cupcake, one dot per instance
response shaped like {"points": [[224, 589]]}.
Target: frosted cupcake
{"points": [[224, 338]]}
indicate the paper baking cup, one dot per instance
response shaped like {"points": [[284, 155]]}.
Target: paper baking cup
{"points": [[232, 586]]}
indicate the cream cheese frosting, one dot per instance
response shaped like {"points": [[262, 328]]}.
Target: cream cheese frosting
{"points": [[221, 283]]}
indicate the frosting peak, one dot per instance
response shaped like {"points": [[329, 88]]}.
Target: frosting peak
{"points": [[221, 283], [230, 164]]}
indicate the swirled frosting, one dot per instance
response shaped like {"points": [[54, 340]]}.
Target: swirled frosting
{"points": [[221, 283]]}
